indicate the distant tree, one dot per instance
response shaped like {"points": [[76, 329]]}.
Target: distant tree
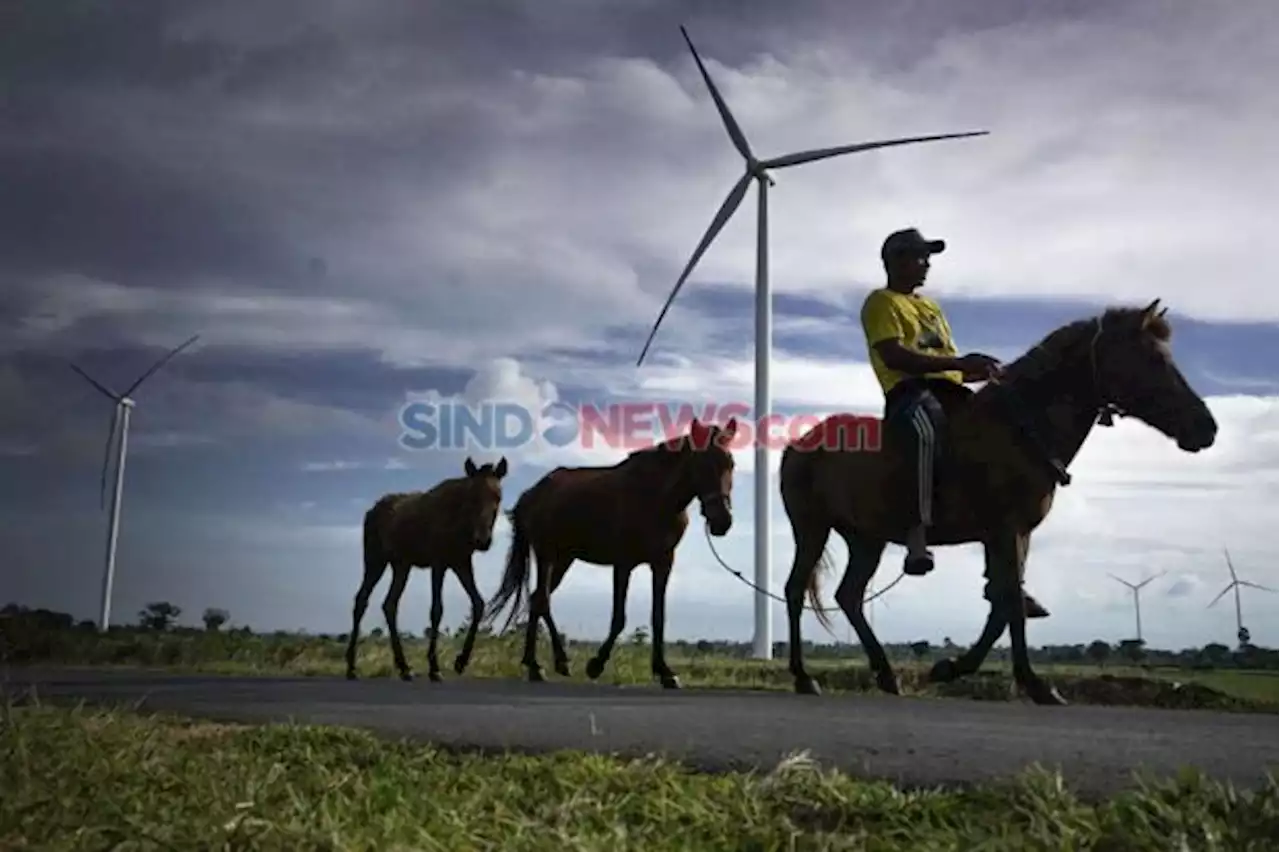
{"points": [[640, 635], [1098, 651], [158, 615], [214, 618], [1132, 650], [376, 633], [920, 649], [1215, 653]]}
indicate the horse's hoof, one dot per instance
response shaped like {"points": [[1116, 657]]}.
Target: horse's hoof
{"points": [[888, 683], [460, 664], [434, 676], [943, 671], [351, 675], [406, 676], [535, 674], [806, 685], [595, 667], [669, 681], [562, 668], [1044, 694]]}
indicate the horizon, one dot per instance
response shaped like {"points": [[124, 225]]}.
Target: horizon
{"points": [[361, 208]]}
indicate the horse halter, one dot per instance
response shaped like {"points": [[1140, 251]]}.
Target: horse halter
{"points": [[1107, 410]]}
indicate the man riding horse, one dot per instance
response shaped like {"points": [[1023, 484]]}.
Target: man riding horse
{"points": [[923, 376]]}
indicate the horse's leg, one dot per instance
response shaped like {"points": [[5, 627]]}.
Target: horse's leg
{"points": [[661, 573], [945, 671], [1008, 552], [390, 608], [373, 571], [467, 577], [437, 612], [555, 574], [617, 621], [537, 602], [864, 559], [810, 539]]}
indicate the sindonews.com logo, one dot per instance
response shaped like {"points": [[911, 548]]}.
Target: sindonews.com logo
{"points": [[625, 426]]}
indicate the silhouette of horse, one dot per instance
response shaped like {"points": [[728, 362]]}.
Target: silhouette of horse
{"points": [[438, 529], [625, 515], [1006, 450]]}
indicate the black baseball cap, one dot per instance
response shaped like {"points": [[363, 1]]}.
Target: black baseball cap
{"points": [[909, 241]]}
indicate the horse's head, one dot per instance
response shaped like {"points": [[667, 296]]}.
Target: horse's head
{"points": [[481, 501], [711, 471], [1134, 371]]}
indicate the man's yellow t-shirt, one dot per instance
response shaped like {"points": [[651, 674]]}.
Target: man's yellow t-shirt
{"points": [[916, 321]]}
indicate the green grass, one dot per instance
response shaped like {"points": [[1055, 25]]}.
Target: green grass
{"points": [[498, 657], [78, 779]]}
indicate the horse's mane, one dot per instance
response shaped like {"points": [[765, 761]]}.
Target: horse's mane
{"points": [[1061, 342]]}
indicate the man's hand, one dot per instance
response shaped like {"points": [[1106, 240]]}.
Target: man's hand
{"points": [[976, 367]]}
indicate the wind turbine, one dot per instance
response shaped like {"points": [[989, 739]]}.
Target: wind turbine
{"points": [[757, 170], [1136, 588], [1242, 635], [120, 417]]}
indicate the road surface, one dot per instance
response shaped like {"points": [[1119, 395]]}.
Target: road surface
{"points": [[914, 742]]}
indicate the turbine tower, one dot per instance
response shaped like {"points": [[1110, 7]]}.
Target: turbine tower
{"points": [[758, 171], [1136, 588], [1242, 635], [120, 417]]}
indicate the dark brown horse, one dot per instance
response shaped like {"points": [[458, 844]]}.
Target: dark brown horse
{"points": [[629, 514], [438, 529], [1007, 449]]}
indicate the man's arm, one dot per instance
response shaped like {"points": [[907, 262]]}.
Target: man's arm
{"points": [[884, 333]]}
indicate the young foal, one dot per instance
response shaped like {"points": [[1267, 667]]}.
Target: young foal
{"points": [[437, 529], [631, 513]]}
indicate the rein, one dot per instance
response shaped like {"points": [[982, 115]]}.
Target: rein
{"points": [[711, 544]]}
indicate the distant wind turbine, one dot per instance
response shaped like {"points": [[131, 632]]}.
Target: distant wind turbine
{"points": [[1136, 588], [757, 170], [120, 417], [1242, 635]]}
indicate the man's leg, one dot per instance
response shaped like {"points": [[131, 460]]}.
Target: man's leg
{"points": [[917, 417]]}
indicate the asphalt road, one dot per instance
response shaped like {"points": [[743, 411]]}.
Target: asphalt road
{"points": [[915, 742]]}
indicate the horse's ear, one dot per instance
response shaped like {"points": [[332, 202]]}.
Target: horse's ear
{"points": [[1162, 311], [501, 469], [697, 432], [730, 429], [1151, 310], [470, 467]]}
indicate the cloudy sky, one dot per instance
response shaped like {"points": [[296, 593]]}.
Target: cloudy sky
{"points": [[358, 207]]}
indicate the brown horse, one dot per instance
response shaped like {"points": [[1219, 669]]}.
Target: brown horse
{"points": [[631, 513], [438, 529], [1007, 449]]}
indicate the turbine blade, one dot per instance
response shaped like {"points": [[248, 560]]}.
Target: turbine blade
{"points": [[1220, 594], [1253, 585], [823, 153], [1230, 567], [1118, 580], [157, 365], [731, 125], [726, 210], [106, 459], [91, 380], [1149, 579]]}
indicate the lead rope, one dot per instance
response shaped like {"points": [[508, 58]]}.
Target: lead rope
{"points": [[706, 528]]}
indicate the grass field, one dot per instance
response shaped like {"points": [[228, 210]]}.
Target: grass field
{"points": [[240, 653], [78, 779]]}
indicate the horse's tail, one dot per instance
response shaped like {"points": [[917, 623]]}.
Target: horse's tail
{"points": [[516, 576], [796, 481], [375, 553]]}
